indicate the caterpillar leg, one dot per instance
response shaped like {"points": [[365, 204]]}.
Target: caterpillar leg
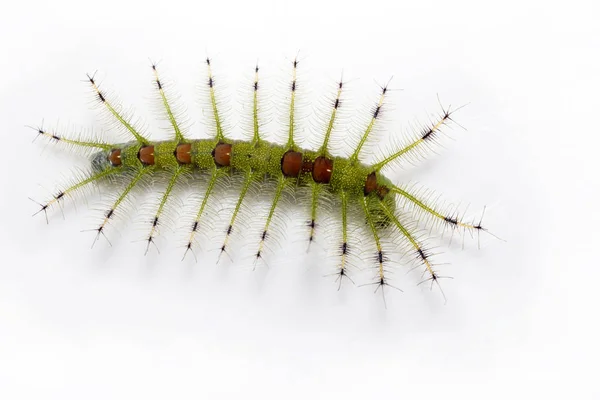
{"points": [[195, 225], [111, 212], [249, 178], [281, 183], [163, 201]]}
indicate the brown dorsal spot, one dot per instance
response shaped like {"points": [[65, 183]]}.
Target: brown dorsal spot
{"points": [[222, 154], [115, 157], [371, 183], [183, 153], [146, 155], [291, 163], [322, 169]]}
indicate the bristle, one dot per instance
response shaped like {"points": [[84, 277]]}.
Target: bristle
{"points": [[176, 129], [249, 178], [213, 102], [110, 212], [281, 183], [375, 115], [54, 137], [337, 103], [211, 185], [425, 137], [255, 118], [113, 111], [292, 107], [374, 231], [161, 206]]}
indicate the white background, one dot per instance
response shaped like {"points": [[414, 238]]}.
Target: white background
{"points": [[521, 317]]}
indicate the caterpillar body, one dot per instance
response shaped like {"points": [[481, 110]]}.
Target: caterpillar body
{"points": [[387, 211]]}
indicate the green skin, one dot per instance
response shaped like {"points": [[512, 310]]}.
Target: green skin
{"points": [[263, 158]]}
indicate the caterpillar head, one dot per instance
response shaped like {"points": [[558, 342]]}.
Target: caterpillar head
{"points": [[104, 159]]}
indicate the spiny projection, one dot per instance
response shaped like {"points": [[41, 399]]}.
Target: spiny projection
{"points": [[385, 208]]}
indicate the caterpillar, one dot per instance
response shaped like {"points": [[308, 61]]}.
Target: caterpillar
{"points": [[389, 214]]}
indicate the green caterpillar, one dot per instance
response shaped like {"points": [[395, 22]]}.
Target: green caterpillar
{"points": [[352, 181]]}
